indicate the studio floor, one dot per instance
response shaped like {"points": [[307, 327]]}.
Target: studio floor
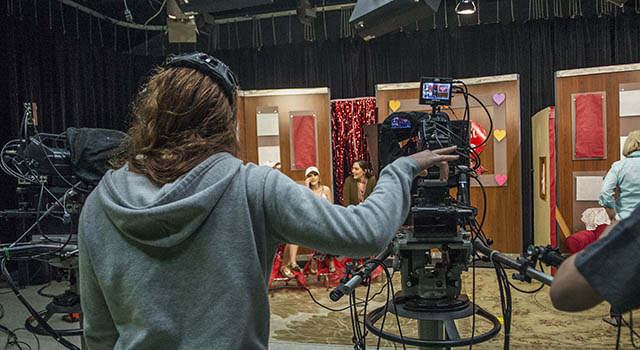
{"points": [[298, 323]]}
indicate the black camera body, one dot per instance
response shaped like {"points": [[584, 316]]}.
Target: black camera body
{"points": [[433, 248]]}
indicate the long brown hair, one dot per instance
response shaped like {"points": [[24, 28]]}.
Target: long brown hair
{"points": [[181, 117]]}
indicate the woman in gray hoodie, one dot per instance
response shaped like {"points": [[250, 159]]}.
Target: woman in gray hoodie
{"points": [[176, 246]]}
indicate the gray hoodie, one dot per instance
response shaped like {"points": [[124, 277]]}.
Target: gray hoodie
{"points": [[186, 265]]}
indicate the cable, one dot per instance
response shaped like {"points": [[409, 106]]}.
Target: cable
{"points": [[319, 303], [505, 300], [42, 293], [393, 299], [34, 335], [473, 290], [528, 291], [64, 342], [633, 334], [44, 150], [484, 200], [46, 213], [157, 13]]}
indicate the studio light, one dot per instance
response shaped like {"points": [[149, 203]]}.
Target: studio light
{"points": [[306, 13], [466, 7]]}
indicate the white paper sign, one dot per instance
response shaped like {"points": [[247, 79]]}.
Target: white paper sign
{"points": [[623, 139], [588, 188], [267, 124], [629, 103], [268, 155]]}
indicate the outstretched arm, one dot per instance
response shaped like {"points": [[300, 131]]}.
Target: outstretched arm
{"points": [[298, 216]]}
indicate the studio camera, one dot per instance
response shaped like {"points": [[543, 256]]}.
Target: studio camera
{"points": [[433, 248], [55, 174], [440, 238]]}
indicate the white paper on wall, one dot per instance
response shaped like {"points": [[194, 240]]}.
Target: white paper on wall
{"points": [[588, 188], [629, 103], [267, 124], [268, 155], [622, 141]]}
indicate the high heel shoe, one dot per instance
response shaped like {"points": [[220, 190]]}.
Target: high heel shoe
{"points": [[314, 267], [332, 266], [295, 267], [286, 272]]}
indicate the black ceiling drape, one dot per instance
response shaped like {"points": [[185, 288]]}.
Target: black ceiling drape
{"points": [[77, 82]]}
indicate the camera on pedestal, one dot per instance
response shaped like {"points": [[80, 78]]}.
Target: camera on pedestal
{"points": [[55, 174], [433, 248]]}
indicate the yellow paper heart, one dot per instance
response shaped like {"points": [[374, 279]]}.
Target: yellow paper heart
{"points": [[394, 105], [499, 134]]}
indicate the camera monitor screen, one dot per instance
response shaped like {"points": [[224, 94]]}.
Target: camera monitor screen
{"points": [[435, 91]]}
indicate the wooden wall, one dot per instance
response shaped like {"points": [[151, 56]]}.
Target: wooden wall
{"points": [[504, 221], [607, 79], [286, 101]]}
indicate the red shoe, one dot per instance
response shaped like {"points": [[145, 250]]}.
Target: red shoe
{"points": [[71, 318]]}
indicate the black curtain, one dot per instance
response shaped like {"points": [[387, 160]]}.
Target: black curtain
{"points": [[73, 83], [79, 77]]}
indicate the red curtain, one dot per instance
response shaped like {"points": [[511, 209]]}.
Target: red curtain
{"points": [[348, 118], [304, 141]]}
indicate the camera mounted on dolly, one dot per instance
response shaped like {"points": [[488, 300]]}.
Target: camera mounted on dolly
{"points": [[432, 248]]}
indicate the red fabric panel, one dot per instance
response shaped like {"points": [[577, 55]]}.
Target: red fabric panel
{"points": [[552, 175], [348, 142], [304, 141], [589, 126]]}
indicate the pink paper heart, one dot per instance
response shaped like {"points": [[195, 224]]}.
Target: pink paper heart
{"points": [[500, 179], [499, 98]]}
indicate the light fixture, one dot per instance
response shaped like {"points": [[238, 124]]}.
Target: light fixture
{"points": [[306, 13], [466, 7]]}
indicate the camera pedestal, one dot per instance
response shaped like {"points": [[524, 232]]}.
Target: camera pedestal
{"points": [[67, 303], [436, 326]]}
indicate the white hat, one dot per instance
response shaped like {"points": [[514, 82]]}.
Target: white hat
{"points": [[311, 169]]}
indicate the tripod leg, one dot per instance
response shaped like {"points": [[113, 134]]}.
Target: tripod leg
{"points": [[452, 330]]}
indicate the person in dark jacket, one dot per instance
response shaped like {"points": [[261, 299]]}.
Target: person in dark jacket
{"points": [[359, 185]]}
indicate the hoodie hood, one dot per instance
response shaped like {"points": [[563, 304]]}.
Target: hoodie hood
{"points": [[165, 215]]}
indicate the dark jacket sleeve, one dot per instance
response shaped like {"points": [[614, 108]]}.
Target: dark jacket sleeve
{"points": [[296, 215], [611, 266]]}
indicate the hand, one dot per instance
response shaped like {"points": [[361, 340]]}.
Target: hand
{"points": [[611, 213], [307, 182], [440, 158]]}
